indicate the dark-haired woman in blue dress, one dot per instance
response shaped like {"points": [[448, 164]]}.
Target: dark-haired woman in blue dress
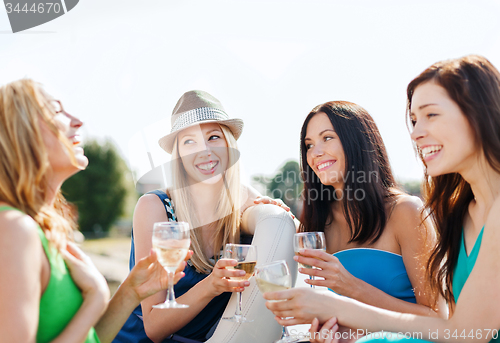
{"points": [[376, 239]]}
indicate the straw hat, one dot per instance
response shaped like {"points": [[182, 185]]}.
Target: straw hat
{"points": [[194, 108]]}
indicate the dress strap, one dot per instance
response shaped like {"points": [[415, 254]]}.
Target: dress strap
{"points": [[167, 202], [7, 207]]}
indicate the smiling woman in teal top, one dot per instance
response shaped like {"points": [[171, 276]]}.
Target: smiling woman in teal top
{"points": [[454, 111]]}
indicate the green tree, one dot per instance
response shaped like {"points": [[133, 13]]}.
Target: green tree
{"points": [[412, 187], [100, 191]]}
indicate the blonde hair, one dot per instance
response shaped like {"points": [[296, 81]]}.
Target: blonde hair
{"points": [[227, 207], [24, 158]]}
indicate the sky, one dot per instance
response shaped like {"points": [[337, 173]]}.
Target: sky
{"points": [[121, 66]]}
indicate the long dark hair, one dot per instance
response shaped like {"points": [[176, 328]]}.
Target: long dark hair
{"points": [[473, 83], [368, 178]]}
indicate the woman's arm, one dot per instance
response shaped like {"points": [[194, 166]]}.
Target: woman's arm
{"points": [[413, 239], [158, 323], [25, 273], [145, 279], [251, 198], [21, 271], [304, 304], [337, 278]]}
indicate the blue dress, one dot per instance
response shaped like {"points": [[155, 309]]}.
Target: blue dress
{"points": [[198, 328], [381, 269]]}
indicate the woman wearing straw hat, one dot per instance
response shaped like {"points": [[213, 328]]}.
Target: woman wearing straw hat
{"points": [[206, 192]]}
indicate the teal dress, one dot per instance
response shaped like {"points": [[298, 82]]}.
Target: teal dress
{"points": [[464, 267]]}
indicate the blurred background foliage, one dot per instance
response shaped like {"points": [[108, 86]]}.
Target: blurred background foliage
{"points": [[286, 185], [412, 187], [104, 192]]}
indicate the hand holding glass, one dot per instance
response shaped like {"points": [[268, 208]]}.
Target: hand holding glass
{"points": [[309, 240], [246, 256], [272, 277], [171, 242]]}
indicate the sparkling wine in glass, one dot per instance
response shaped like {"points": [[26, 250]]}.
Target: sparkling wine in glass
{"points": [[309, 240], [171, 242], [272, 277], [246, 256]]}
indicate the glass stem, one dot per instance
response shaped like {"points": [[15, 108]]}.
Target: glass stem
{"points": [[312, 278], [238, 306], [285, 333], [170, 290]]}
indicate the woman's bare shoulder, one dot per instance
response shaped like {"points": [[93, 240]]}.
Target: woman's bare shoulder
{"points": [[406, 205], [149, 203], [149, 209], [409, 222], [20, 241], [17, 225]]}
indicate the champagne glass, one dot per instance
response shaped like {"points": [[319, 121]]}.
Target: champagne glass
{"points": [[171, 242], [309, 240], [246, 255], [272, 277]]}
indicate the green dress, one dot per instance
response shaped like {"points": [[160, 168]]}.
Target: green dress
{"points": [[61, 299], [464, 267]]}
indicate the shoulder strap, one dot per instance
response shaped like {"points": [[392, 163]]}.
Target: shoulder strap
{"points": [[169, 207], [45, 244], [6, 208]]}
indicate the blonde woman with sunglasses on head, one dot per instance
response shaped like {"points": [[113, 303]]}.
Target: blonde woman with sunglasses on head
{"points": [[49, 289]]}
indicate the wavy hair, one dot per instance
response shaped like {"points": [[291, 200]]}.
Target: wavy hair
{"points": [[365, 155], [473, 83], [227, 205], [24, 162]]}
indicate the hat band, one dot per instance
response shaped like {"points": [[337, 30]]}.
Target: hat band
{"points": [[196, 115]]}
